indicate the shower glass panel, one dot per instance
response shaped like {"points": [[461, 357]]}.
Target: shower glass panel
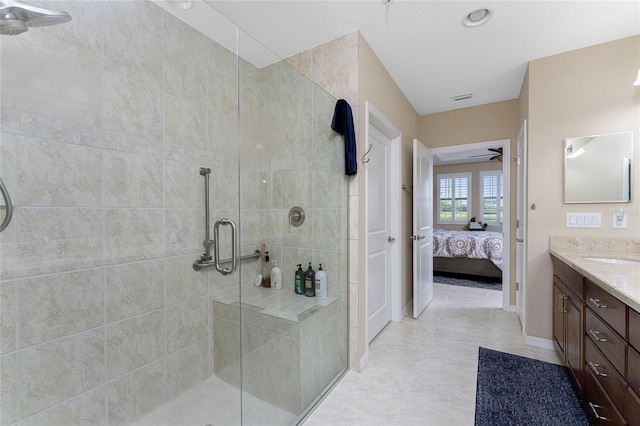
{"points": [[293, 347], [106, 121]]}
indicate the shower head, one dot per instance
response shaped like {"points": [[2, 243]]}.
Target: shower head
{"points": [[16, 16]]}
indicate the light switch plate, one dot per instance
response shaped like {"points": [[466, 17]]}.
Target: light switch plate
{"points": [[584, 220]]}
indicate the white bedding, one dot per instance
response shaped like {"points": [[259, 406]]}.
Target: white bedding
{"points": [[469, 244]]}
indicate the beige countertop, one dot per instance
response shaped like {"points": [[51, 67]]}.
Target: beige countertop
{"points": [[622, 281]]}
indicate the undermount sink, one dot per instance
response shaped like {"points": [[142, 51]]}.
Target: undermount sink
{"points": [[613, 261]]}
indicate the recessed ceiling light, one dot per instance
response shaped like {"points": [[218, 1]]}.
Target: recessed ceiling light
{"points": [[477, 17]]}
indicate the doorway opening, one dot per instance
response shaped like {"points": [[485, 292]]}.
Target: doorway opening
{"points": [[474, 152]]}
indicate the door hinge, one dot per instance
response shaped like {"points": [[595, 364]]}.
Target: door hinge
{"points": [[517, 286]]}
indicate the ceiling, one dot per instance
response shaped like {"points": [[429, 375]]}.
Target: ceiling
{"points": [[463, 157], [424, 46]]}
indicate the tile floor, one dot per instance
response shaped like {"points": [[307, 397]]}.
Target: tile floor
{"points": [[423, 371]]}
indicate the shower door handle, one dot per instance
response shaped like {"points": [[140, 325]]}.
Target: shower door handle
{"points": [[8, 206], [234, 247]]}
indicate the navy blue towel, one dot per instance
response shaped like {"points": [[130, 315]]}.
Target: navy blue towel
{"points": [[343, 123]]}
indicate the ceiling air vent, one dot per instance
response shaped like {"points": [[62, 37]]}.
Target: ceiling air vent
{"points": [[462, 97]]}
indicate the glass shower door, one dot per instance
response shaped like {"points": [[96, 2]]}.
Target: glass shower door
{"points": [[293, 205]]}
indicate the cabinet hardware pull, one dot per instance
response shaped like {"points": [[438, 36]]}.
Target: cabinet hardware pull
{"points": [[595, 336], [597, 303], [595, 412], [561, 305], [595, 369]]}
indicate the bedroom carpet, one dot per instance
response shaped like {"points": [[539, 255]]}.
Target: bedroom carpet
{"points": [[514, 390], [463, 280]]}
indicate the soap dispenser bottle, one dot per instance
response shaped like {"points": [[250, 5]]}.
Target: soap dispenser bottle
{"points": [[266, 271], [276, 276], [299, 288], [321, 283], [310, 282]]}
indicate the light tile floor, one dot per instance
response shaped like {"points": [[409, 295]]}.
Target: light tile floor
{"points": [[423, 371]]}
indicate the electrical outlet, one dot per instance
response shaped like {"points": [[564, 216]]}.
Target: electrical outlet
{"points": [[619, 220]]}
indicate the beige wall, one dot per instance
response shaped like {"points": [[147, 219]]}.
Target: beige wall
{"points": [[499, 120], [474, 169], [578, 93], [376, 86]]}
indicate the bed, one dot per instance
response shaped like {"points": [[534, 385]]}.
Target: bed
{"points": [[468, 252]]}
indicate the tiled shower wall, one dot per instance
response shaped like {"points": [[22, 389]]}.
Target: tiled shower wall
{"points": [[334, 67], [105, 123]]}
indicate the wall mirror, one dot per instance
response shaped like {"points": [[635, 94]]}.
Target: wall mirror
{"points": [[597, 169]]}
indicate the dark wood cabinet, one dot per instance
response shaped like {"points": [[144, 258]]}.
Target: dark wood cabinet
{"points": [[599, 338], [568, 320]]}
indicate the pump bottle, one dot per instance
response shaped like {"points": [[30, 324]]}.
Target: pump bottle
{"points": [[310, 282]]}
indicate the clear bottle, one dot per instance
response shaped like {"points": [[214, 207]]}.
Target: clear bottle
{"points": [[276, 276], [310, 282], [299, 288], [266, 271], [321, 283]]}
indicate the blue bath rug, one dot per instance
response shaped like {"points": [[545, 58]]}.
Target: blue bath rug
{"points": [[514, 390]]}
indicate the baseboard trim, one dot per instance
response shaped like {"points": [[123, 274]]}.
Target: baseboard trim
{"points": [[363, 361], [538, 342], [406, 309]]}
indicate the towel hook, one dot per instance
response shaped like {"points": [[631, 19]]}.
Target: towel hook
{"points": [[365, 160]]}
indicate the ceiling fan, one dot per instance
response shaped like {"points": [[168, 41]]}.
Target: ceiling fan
{"points": [[496, 154]]}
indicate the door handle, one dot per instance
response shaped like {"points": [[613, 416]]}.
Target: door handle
{"points": [[417, 237], [519, 240], [391, 239], [234, 247]]}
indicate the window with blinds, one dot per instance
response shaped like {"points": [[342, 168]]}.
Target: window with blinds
{"points": [[454, 198], [491, 197]]}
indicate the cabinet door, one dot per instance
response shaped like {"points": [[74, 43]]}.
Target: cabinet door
{"points": [[574, 337], [559, 291]]}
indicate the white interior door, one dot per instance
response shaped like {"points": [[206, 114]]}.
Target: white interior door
{"points": [[422, 227], [378, 234], [521, 220]]}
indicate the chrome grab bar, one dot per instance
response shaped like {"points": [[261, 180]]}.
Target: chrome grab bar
{"points": [[207, 243], [198, 264], [8, 206]]}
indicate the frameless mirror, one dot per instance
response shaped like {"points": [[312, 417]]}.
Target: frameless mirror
{"points": [[597, 169]]}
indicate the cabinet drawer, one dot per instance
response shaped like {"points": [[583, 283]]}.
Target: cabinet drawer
{"points": [[598, 405], [610, 309], [612, 382], [571, 278], [632, 410], [634, 329], [607, 340], [633, 369]]}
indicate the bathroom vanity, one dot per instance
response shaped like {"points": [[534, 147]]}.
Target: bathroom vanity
{"points": [[596, 323]]}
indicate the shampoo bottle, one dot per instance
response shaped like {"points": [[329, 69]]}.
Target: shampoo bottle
{"points": [[276, 276], [266, 271], [299, 280], [321, 283], [310, 282]]}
